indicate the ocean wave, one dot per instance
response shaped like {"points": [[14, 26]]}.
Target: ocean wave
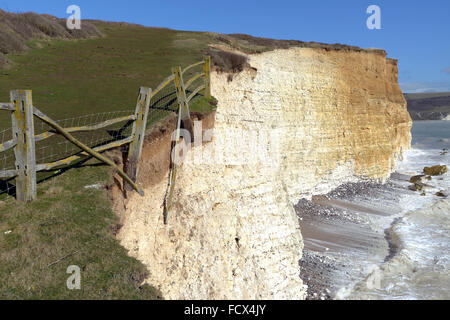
{"points": [[420, 268]]}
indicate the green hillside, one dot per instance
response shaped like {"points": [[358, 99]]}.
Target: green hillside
{"points": [[72, 223], [103, 74]]}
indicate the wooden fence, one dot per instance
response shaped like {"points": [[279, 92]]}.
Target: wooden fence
{"points": [[24, 139]]}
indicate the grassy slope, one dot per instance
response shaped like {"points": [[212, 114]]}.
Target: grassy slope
{"points": [[66, 218], [70, 78], [96, 75]]}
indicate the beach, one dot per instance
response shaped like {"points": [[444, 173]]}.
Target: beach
{"points": [[371, 240]]}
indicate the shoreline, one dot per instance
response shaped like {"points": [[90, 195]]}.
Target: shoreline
{"points": [[347, 234], [370, 240]]}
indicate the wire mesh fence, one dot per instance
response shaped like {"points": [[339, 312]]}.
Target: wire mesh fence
{"points": [[57, 147], [5, 135], [7, 186], [5, 163], [162, 104], [199, 81], [52, 147]]}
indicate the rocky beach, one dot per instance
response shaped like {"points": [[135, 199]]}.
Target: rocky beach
{"points": [[370, 240]]}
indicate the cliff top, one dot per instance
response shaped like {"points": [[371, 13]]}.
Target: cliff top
{"points": [[250, 44], [17, 29]]}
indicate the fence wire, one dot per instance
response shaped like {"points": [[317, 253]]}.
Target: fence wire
{"points": [[7, 186], [196, 83], [6, 163], [56, 147], [162, 104], [5, 135]]}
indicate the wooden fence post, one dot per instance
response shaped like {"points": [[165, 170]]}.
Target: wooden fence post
{"points": [[182, 101], [207, 71], [135, 148], [24, 151]]}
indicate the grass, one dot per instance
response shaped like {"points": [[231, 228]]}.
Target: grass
{"points": [[76, 77], [17, 28], [202, 104], [71, 78], [67, 217]]}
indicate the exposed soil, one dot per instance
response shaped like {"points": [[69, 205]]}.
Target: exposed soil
{"points": [[155, 159]]}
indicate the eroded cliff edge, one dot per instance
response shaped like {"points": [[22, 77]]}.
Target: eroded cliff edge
{"points": [[301, 122]]}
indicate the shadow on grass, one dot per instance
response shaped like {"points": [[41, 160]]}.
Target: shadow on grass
{"points": [[9, 189]]}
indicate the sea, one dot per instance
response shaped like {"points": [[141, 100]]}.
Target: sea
{"points": [[420, 267], [397, 243]]}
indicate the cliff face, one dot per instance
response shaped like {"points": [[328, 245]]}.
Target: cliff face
{"points": [[305, 121], [341, 113]]}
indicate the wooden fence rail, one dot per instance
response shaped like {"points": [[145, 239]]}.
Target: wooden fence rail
{"points": [[24, 138]]}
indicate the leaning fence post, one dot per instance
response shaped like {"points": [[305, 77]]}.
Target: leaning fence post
{"points": [[207, 71], [24, 151], [182, 101], [135, 148]]}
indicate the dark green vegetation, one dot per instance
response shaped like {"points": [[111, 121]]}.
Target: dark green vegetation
{"points": [[428, 106], [70, 78]]}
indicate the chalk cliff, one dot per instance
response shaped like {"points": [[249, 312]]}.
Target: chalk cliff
{"points": [[300, 122]]}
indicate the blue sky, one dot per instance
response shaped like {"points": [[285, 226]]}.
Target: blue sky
{"points": [[415, 32]]}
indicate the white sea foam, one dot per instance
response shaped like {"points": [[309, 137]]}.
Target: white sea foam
{"points": [[400, 247], [420, 267], [420, 270]]}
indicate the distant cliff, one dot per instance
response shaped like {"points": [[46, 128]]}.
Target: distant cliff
{"points": [[323, 118], [428, 106]]}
